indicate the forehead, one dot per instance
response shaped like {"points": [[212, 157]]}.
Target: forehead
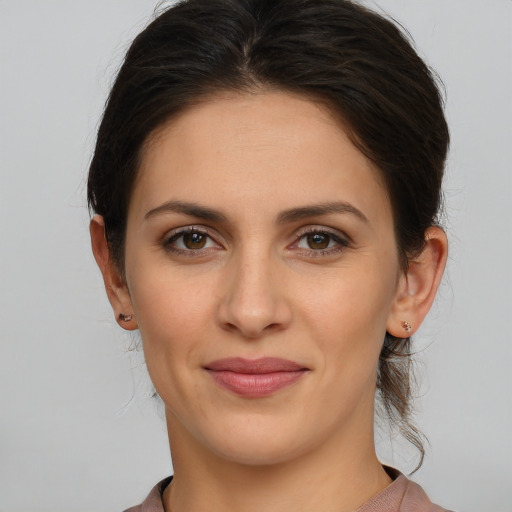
{"points": [[270, 148]]}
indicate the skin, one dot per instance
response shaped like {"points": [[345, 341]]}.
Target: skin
{"points": [[263, 288]]}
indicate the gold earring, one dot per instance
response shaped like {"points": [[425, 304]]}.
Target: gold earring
{"points": [[406, 326], [125, 318]]}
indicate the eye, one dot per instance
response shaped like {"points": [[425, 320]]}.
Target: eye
{"points": [[193, 240], [321, 243], [189, 240], [316, 241]]}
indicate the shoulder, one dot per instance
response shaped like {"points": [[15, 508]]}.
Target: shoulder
{"points": [[153, 502], [402, 495], [416, 500]]}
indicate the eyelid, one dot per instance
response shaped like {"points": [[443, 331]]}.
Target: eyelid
{"points": [[343, 241], [336, 233], [187, 229], [175, 233]]}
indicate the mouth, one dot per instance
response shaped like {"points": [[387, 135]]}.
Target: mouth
{"points": [[255, 378]]}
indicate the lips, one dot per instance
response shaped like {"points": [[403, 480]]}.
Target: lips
{"points": [[255, 378]]}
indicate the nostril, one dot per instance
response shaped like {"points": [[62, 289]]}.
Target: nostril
{"points": [[251, 311], [251, 331]]}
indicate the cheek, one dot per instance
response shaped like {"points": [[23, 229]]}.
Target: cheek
{"points": [[173, 311], [347, 313], [350, 299]]}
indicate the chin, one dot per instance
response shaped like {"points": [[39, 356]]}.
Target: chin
{"points": [[258, 445], [253, 454]]}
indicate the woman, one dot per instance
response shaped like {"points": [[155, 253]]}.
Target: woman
{"points": [[266, 183]]}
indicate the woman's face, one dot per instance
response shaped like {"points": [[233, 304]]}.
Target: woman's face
{"points": [[262, 270]]}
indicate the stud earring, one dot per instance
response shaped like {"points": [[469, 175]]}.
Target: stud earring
{"points": [[125, 318], [406, 326]]}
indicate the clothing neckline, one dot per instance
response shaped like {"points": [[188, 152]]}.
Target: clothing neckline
{"points": [[389, 498]]}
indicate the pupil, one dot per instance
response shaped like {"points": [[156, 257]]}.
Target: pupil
{"points": [[194, 240], [318, 241]]}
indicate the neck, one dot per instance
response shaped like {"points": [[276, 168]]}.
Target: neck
{"points": [[340, 476]]}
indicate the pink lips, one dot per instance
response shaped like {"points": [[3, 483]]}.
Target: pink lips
{"points": [[255, 377]]}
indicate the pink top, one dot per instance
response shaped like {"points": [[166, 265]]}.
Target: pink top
{"points": [[402, 495]]}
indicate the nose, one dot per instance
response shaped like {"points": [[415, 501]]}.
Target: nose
{"points": [[253, 301]]}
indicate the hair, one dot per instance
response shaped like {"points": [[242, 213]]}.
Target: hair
{"points": [[359, 64]]}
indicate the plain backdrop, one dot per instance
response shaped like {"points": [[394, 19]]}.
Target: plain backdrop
{"points": [[78, 429]]}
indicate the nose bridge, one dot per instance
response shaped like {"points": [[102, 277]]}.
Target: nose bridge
{"points": [[253, 299]]}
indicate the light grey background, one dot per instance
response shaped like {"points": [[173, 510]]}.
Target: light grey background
{"points": [[77, 429]]}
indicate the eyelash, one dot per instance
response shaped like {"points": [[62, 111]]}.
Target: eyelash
{"points": [[169, 240], [342, 243]]}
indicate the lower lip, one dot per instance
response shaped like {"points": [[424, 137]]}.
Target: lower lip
{"points": [[255, 385]]}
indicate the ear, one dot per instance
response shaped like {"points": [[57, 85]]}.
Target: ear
{"points": [[115, 284], [418, 285]]}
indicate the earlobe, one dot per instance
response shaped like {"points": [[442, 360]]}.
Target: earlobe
{"points": [[115, 284], [418, 285]]}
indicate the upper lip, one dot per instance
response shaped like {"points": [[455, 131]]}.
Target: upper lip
{"points": [[254, 366]]}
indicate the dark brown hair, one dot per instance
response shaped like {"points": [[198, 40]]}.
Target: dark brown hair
{"points": [[361, 65]]}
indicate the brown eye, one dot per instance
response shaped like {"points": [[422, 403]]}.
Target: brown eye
{"points": [[194, 240], [190, 241], [321, 243], [318, 240]]}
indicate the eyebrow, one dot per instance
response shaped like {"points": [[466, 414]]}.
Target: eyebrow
{"points": [[191, 209], [286, 216], [317, 210]]}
